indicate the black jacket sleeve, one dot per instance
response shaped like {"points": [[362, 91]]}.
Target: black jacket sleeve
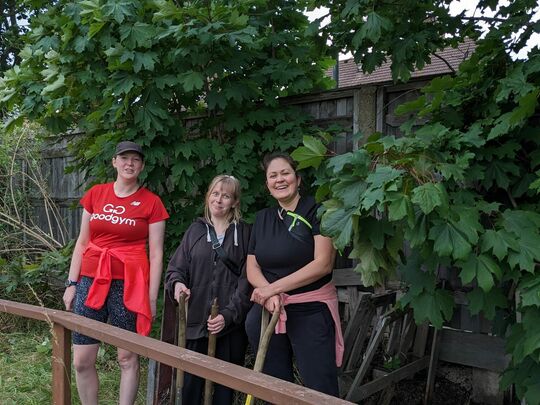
{"points": [[178, 268], [239, 303]]}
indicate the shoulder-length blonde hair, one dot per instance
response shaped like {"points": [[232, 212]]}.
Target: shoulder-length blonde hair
{"points": [[232, 185]]}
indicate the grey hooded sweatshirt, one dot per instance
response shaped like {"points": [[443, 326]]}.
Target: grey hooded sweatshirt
{"points": [[198, 266]]}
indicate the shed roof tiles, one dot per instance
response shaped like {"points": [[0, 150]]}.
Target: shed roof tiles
{"points": [[350, 73]]}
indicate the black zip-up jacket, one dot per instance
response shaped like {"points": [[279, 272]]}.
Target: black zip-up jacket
{"points": [[199, 267]]}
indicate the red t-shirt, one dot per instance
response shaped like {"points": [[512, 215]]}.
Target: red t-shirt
{"points": [[118, 221]]}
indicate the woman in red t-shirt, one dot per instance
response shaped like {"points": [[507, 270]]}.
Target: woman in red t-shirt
{"points": [[112, 277]]}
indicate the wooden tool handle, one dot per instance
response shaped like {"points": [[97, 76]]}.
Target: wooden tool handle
{"points": [[265, 340], [181, 342], [267, 329], [208, 385]]}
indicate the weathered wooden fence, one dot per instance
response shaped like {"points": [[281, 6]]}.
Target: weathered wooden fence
{"points": [[66, 189], [466, 340]]}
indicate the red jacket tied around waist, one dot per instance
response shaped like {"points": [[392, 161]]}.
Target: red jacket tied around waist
{"points": [[136, 281]]}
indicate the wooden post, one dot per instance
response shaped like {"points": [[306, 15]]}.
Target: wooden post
{"points": [[61, 365], [353, 300], [409, 331], [364, 113], [357, 331], [169, 327], [151, 381], [432, 371], [420, 340]]}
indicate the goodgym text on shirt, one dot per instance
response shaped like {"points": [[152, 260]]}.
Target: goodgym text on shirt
{"points": [[112, 215]]}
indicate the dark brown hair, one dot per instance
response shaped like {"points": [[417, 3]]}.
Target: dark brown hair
{"points": [[278, 155]]}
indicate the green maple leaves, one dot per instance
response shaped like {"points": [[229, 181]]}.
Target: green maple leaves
{"points": [[311, 153], [466, 196], [458, 192], [372, 29], [143, 69], [428, 302], [483, 268], [438, 190], [428, 196]]}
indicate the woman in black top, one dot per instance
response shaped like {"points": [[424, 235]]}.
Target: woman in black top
{"points": [[197, 270], [287, 254]]}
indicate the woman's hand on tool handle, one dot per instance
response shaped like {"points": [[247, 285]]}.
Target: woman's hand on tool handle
{"points": [[272, 303], [180, 288], [261, 294], [216, 325]]}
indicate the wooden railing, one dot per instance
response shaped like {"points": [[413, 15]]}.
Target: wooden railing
{"points": [[238, 378]]}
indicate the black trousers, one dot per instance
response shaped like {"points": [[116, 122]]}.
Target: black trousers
{"points": [[310, 338], [231, 348]]}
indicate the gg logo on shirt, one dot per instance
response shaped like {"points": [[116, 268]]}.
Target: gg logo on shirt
{"points": [[111, 210], [115, 210]]}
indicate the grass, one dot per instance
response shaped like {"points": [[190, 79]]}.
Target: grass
{"points": [[25, 368]]}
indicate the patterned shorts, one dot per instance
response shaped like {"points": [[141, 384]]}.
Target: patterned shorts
{"points": [[113, 309]]}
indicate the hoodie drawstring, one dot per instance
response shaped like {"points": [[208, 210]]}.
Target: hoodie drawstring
{"points": [[208, 239]]}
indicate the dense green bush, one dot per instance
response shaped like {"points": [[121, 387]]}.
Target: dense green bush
{"points": [[33, 263], [458, 193], [38, 281], [143, 69]]}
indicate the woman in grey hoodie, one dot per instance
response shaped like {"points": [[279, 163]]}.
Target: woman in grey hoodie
{"points": [[209, 264]]}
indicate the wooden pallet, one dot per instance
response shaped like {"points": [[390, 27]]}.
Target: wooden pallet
{"points": [[372, 322]]}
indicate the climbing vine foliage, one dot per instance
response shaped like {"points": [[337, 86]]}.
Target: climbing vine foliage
{"points": [[458, 192]]}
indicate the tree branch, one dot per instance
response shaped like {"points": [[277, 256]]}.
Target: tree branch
{"points": [[445, 61], [512, 200], [487, 19]]}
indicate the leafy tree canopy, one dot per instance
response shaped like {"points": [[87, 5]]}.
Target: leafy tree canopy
{"points": [[138, 69], [13, 25]]}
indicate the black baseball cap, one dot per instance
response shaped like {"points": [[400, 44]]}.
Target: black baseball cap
{"points": [[128, 146]]}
